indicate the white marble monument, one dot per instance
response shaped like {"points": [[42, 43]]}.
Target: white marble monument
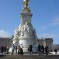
{"points": [[25, 34]]}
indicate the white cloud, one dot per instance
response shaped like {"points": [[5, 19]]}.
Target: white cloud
{"points": [[4, 33], [55, 21]]}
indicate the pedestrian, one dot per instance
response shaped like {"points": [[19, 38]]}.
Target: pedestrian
{"points": [[46, 49], [30, 49], [16, 49], [42, 49], [13, 48], [55, 51], [2, 49], [21, 51], [7, 49], [39, 49]]}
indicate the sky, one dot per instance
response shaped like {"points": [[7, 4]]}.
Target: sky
{"points": [[45, 17]]}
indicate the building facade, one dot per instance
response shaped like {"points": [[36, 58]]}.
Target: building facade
{"points": [[56, 46], [6, 42], [46, 41], [42, 41]]}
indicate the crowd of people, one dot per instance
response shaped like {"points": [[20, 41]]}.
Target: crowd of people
{"points": [[4, 49], [18, 50], [40, 49]]}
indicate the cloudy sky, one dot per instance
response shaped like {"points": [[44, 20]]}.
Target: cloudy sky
{"points": [[45, 17]]}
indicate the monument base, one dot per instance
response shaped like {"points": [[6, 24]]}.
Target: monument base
{"points": [[24, 43]]}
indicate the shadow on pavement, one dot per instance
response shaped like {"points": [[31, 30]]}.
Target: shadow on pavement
{"points": [[2, 56]]}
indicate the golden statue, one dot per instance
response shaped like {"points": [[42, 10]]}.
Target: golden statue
{"points": [[26, 3]]}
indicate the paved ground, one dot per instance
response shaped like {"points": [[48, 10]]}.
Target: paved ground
{"points": [[29, 57]]}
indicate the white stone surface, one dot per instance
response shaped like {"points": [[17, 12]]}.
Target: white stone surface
{"points": [[25, 34]]}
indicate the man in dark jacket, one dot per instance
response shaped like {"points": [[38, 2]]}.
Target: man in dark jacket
{"points": [[46, 50], [39, 49], [30, 49]]}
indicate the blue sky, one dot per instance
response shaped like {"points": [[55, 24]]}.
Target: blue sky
{"points": [[45, 17]]}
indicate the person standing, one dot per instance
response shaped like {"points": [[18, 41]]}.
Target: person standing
{"points": [[55, 51], [16, 49], [13, 49], [21, 51], [7, 50], [42, 49], [30, 49], [46, 49], [39, 49]]}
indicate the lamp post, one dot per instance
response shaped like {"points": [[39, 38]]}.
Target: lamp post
{"points": [[44, 44]]}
